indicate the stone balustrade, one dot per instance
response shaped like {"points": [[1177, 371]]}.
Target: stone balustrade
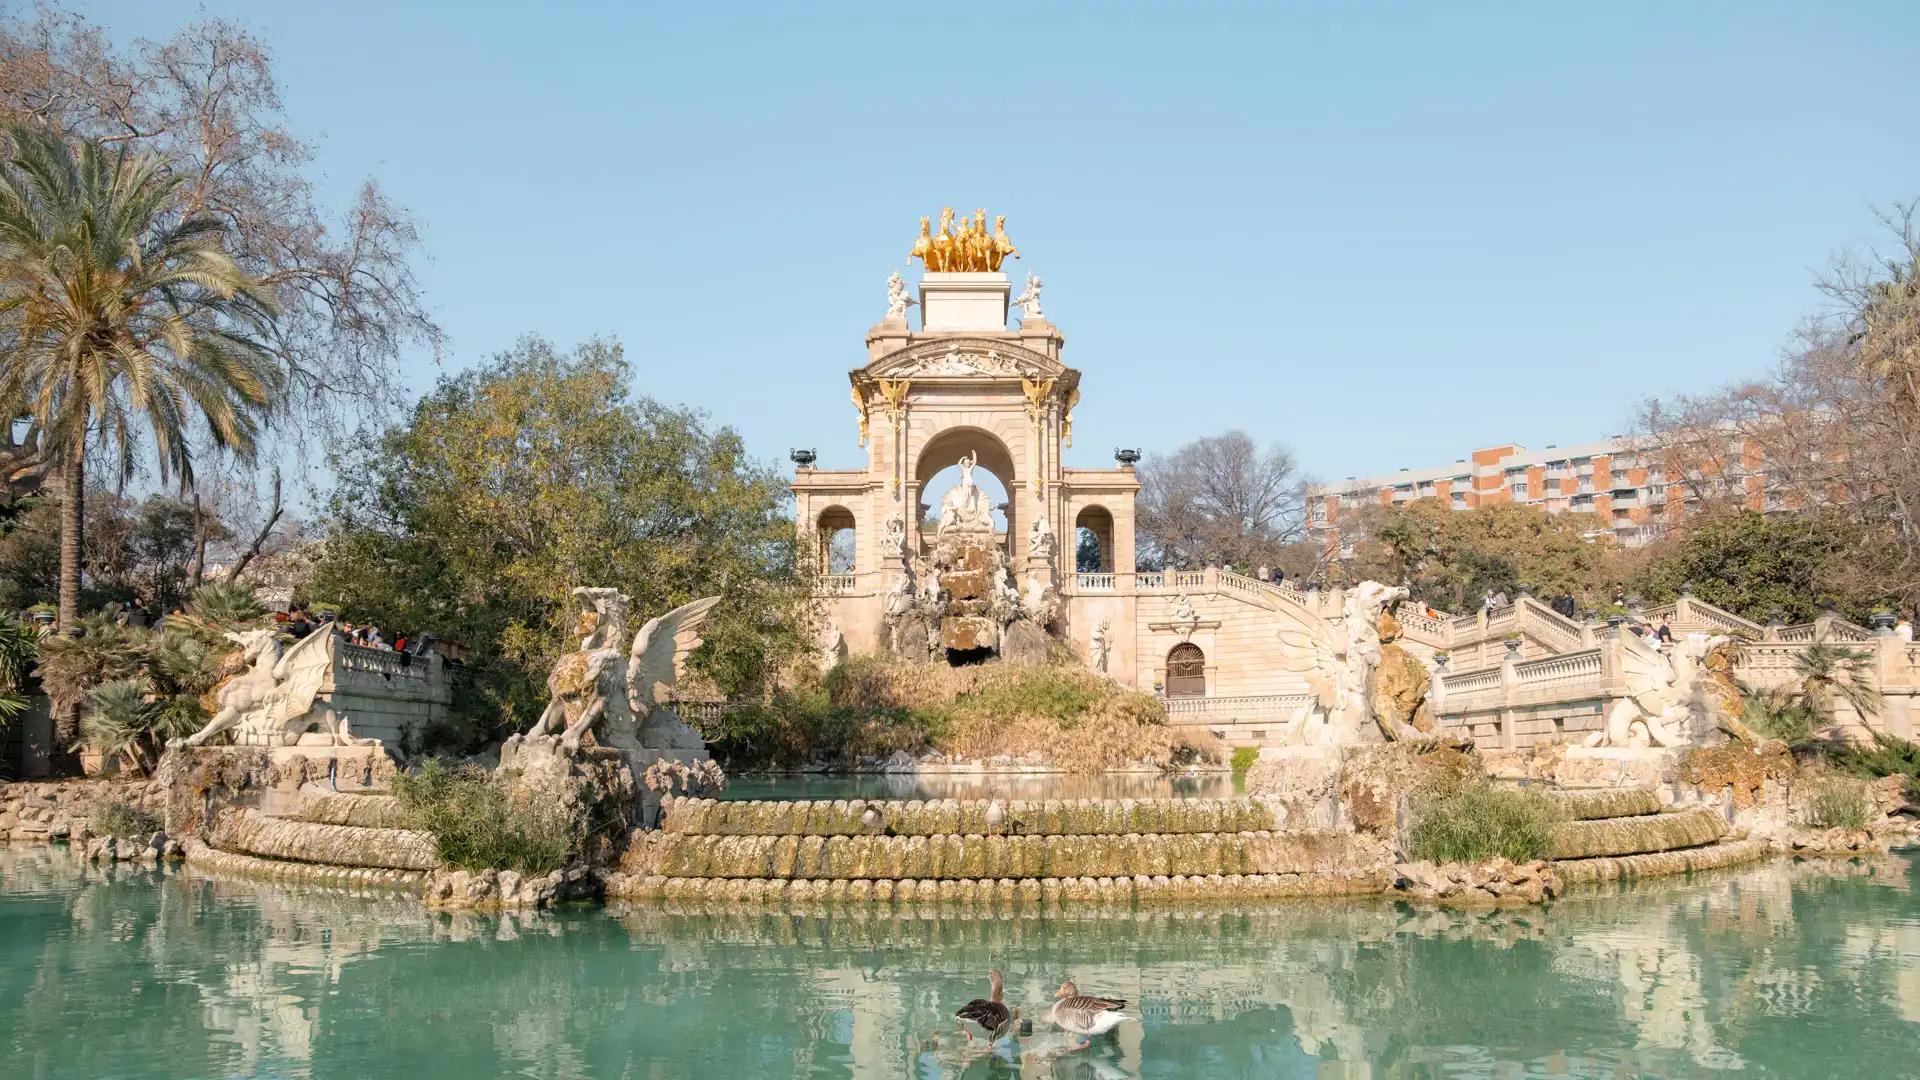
{"points": [[1566, 696]]}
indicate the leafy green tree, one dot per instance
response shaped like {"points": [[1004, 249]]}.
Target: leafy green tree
{"points": [[1759, 565], [1454, 557], [121, 315], [515, 482]]}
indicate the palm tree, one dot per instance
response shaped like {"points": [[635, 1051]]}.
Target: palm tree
{"points": [[119, 313]]}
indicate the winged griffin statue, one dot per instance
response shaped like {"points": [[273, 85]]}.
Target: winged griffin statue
{"points": [[273, 702], [1659, 706], [1337, 660], [621, 699]]}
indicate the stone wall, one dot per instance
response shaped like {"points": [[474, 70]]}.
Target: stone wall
{"points": [[42, 812]]}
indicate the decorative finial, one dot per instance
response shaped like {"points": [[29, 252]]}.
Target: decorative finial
{"points": [[803, 458]]}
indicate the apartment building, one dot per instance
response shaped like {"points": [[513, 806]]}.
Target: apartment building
{"points": [[1616, 479]]}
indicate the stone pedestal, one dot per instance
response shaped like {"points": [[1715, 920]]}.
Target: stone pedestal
{"points": [[963, 302]]}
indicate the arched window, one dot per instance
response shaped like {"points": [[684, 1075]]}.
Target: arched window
{"points": [[837, 540], [1186, 671], [1093, 541]]}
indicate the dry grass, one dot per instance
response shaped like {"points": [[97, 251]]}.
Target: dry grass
{"points": [[871, 708]]}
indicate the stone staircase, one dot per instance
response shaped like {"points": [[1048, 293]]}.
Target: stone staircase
{"points": [[1040, 851], [318, 837], [1619, 834]]}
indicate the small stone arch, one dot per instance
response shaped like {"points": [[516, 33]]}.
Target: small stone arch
{"points": [[837, 530], [1186, 671], [1093, 540]]}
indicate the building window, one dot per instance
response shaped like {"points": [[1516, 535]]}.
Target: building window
{"points": [[1186, 671]]}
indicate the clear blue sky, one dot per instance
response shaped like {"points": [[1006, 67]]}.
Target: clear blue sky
{"points": [[1382, 234]]}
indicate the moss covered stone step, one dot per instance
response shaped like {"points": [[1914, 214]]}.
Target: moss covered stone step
{"points": [[202, 856], [1643, 833], [1607, 802], [343, 808], [1003, 891], [941, 817], [957, 857], [1659, 863], [247, 832]]}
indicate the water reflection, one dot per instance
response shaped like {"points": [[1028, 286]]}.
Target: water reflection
{"points": [[1783, 970], [1210, 785]]}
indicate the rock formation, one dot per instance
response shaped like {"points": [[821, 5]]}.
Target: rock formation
{"points": [[1400, 685]]}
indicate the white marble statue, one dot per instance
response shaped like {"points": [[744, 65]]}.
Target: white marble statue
{"points": [[1029, 301], [896, 529], [1660, 706], [1182, 610], [1338, 662], [1041, 538], [965, 507], [622, 700], [897, 299], [273, 703], [832, 646], [1100, 646]]}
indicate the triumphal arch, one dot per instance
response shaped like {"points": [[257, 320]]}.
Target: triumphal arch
{"points": [[979, 382]]}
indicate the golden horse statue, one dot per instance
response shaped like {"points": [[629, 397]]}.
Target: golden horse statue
{"points": [[963, 245], [1002, 243]]}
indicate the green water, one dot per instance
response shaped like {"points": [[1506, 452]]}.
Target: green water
{"points": [[1211, 785], [1776, 971]]}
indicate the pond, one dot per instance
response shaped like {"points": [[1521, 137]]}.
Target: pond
{"points": [[1005, 785], [1782, 970]]}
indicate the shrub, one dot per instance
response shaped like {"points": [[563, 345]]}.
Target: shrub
{"points": [[1244, 757], [478, 824], [1839, 804], [1888, 756], [116, 818], [1781, 714], [873, 706], [1475, 821]]}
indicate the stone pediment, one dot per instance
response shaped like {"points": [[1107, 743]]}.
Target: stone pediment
{"points": [[965, 358]]}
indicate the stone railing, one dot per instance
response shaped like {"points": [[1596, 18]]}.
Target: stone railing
{"points": [[1150, 579], [1581, 671], [1204, 710], [706, 711], [372, 661], [1826, 628], [1094, 582], [1562, 698], [839, 583]]}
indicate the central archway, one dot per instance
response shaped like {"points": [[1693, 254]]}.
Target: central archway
{"points": [[940, 457]]}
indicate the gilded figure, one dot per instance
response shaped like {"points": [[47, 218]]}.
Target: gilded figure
{"points": [[1002, 243]]}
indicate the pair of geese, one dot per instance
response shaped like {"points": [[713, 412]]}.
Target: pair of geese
{"points": [[1072, 1011]]}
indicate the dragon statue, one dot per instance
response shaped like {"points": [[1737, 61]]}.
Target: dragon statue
{"points": [[1660, 703], [1337, 660], [274, 701], [621, 699]]}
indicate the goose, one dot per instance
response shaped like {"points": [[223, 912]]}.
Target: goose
{"points": [[990, 1012], [1085, 1015]]}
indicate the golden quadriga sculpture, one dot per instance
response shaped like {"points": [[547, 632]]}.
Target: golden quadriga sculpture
{"points": [[965, 247]]}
